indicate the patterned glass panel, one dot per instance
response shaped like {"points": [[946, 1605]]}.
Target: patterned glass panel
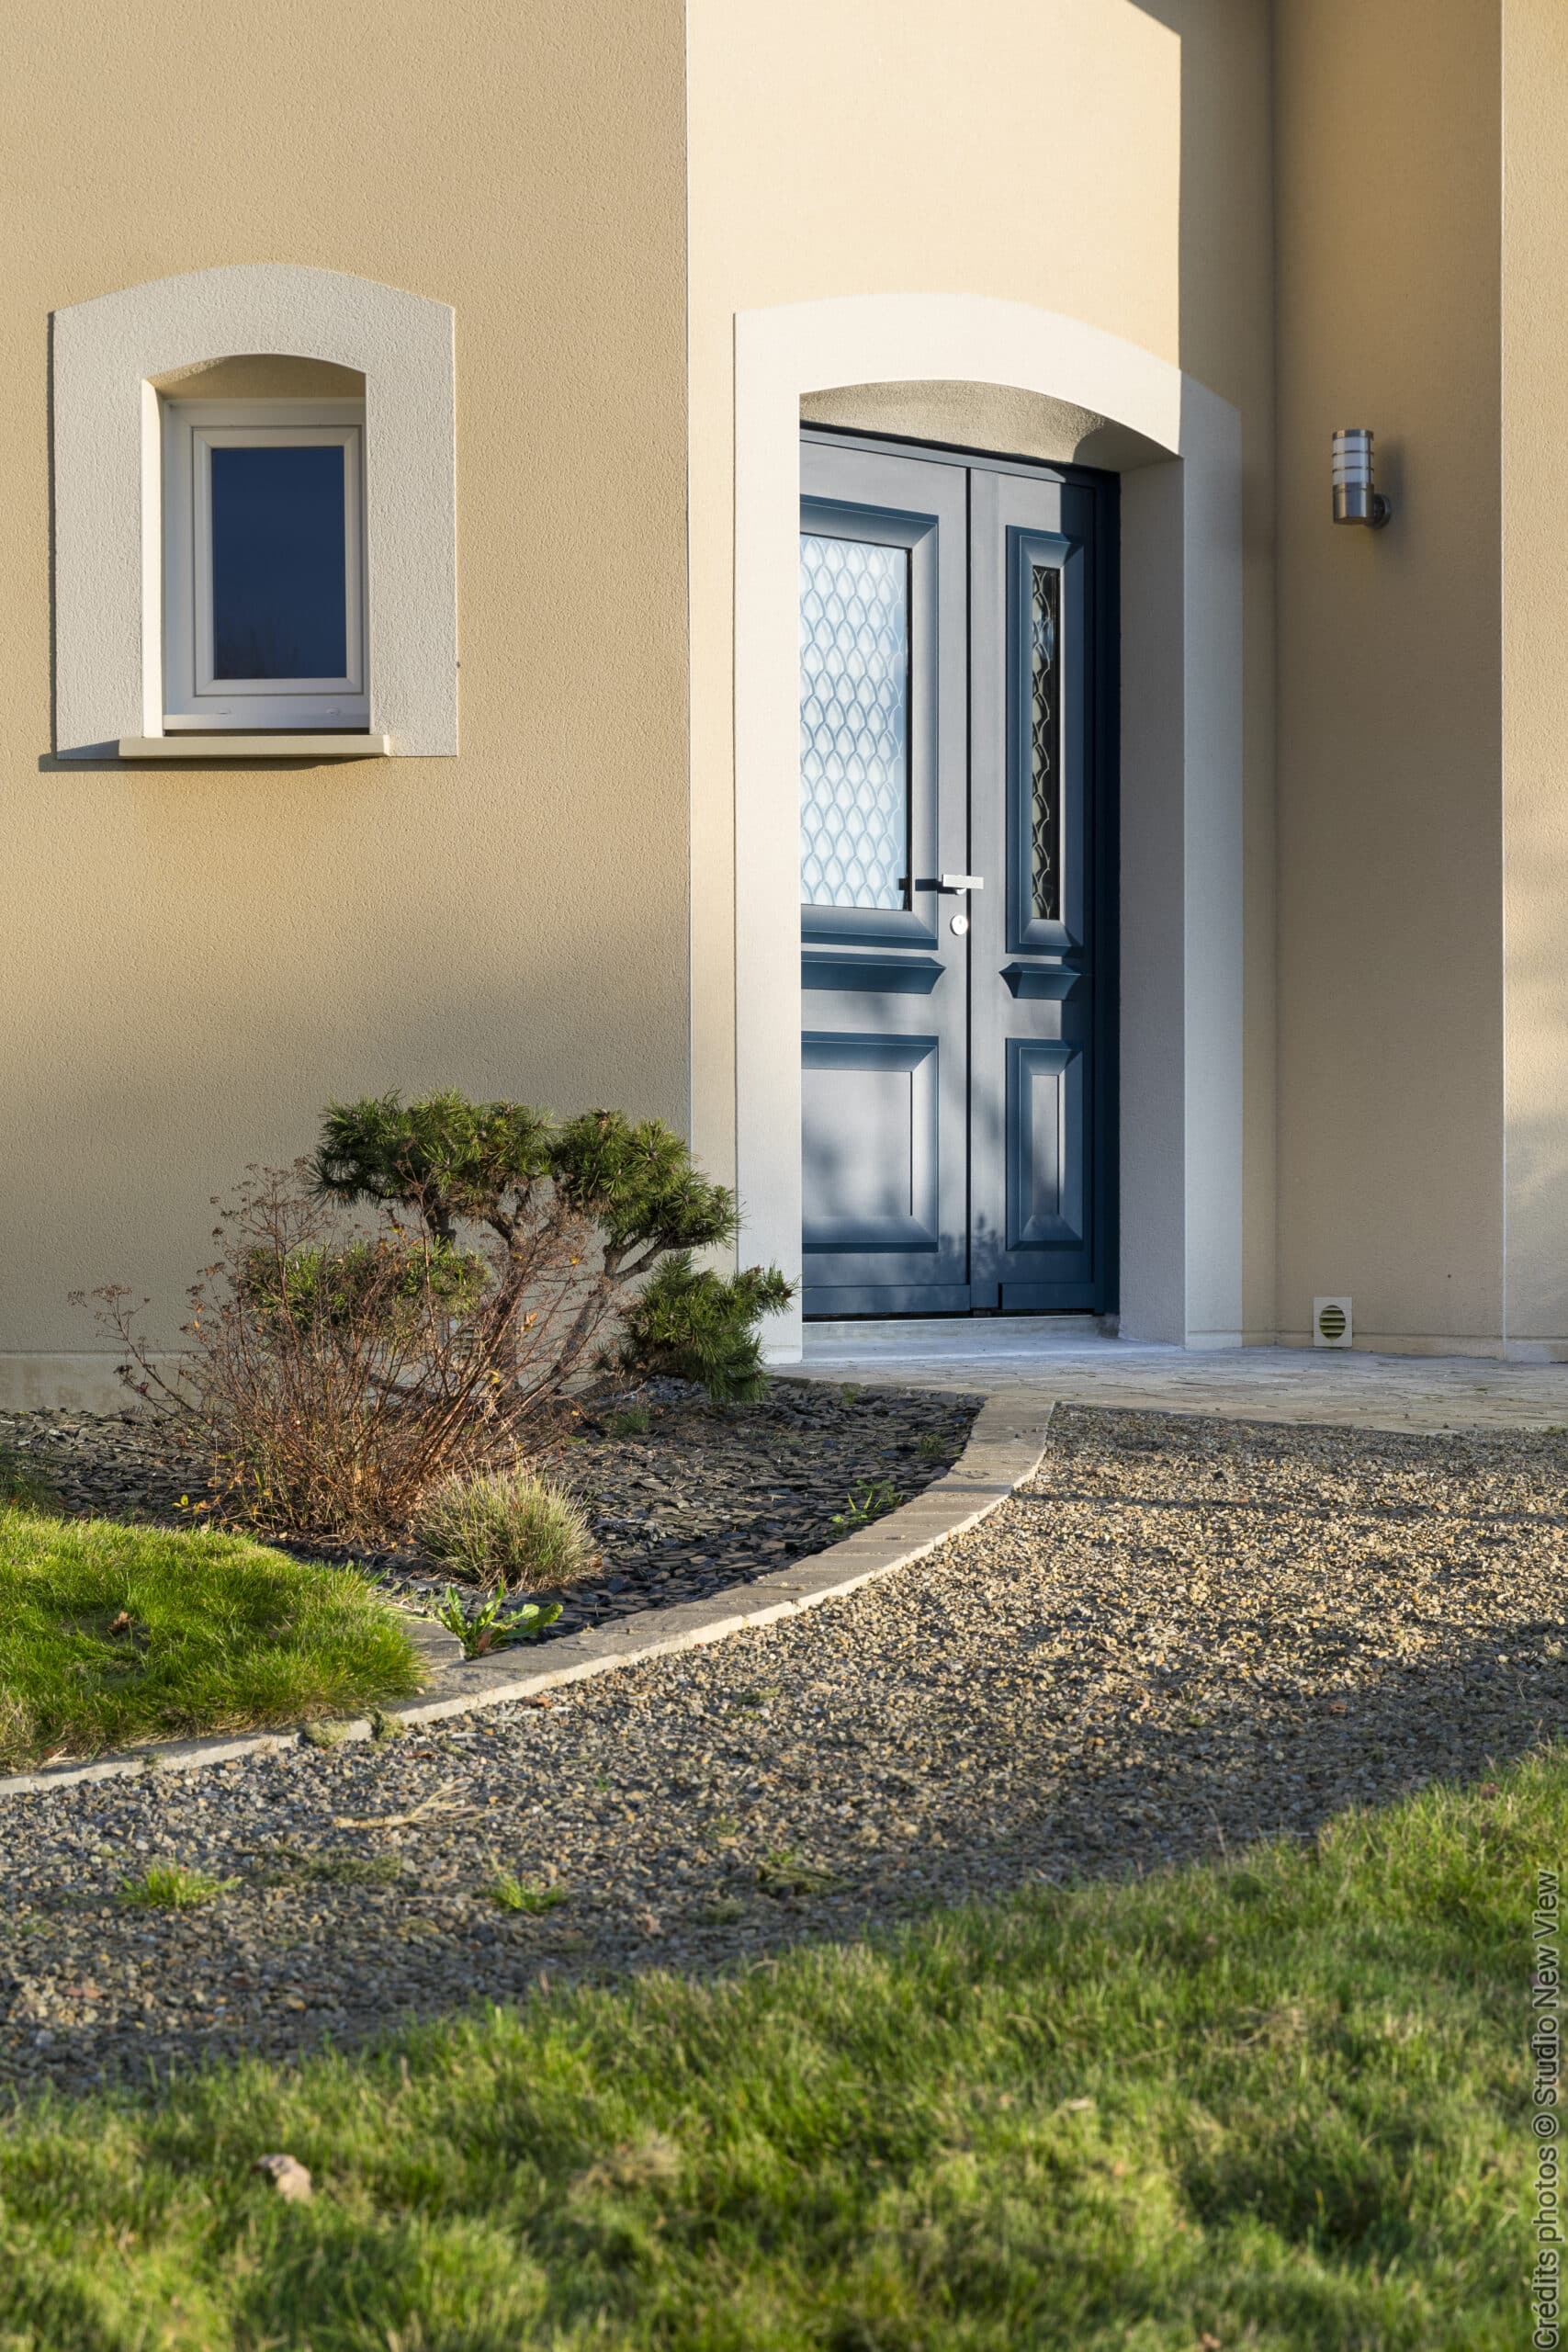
{"points": [[854, 723], [1045, 740]]}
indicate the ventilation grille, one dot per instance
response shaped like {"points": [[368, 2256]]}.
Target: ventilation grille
{"points": [[1331, 1325]]}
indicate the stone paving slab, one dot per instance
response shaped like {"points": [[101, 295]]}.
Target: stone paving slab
{"points": [[1331, 1387]]}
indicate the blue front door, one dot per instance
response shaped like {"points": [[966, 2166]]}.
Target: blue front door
{"points": [[958, 721]]}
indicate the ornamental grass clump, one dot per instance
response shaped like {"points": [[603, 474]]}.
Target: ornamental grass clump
{"points": [[507, 1527]]}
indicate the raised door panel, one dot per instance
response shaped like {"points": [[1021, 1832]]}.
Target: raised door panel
{"points": [[872, 1157], [1045, 1155]]}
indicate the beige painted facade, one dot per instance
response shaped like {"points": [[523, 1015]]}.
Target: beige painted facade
{"points": [[982, 167], [984, 170], [1389, 752], [194, 961], [191, 962], [1535, 674]]}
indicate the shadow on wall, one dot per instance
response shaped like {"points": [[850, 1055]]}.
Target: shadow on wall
{"points": [[997, 417], [1537, 1271], [1535, 1060], [1535, 1174], [1225, 270], [1224, 250]]}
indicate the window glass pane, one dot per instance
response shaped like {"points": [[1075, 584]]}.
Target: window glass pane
{"points": [[278, 563], [854, 723]]}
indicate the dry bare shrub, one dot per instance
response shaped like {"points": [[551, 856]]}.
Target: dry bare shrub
{"points": [[402, 1308], [336, 1367]]}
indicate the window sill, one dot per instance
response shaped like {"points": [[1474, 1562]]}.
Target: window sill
{"points": [[211, 749]]}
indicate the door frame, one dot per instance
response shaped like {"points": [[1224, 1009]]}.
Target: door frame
{"points": [[1099, 718], [1181, 1004]]}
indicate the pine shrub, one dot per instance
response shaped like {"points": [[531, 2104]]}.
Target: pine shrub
{"points": [[403, 1309], [691, 1324]]}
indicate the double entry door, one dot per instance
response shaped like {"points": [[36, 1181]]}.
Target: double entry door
{"points": [[957, 868]]}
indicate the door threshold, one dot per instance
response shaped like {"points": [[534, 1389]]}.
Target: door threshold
{"points": [[1044, 1321], [906, 1338]]}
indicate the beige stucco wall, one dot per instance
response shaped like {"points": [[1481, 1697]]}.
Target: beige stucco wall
{"points": [[191, 962], [1535, 670], [1389, 770], [905, 147]]}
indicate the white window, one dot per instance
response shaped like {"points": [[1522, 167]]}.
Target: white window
{"points": [[265, 623]]}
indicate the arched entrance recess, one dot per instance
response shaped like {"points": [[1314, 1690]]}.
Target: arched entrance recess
{"points": [[1181, 766]]}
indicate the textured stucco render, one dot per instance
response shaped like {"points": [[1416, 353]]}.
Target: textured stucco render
{"points": [[984, 168], [192, 963], [1535, 675], [1390, 973]]}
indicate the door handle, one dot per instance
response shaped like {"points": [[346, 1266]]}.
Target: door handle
{"points": [[962, 882]]}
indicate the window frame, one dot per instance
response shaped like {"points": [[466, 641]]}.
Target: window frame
{"points": [[194, 699]]}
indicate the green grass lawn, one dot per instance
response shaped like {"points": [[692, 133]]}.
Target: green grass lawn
{"points": [[110, 1634], [1282, 2104]]}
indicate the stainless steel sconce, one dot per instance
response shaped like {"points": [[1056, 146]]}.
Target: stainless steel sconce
{"points": [[1355, 499]]}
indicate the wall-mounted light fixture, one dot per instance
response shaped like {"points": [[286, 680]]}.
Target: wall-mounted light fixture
{"points": [[1355, 499]]}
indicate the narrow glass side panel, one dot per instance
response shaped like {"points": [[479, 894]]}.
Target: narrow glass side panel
{"points": [[854, 723], [1045, 741], [279, 606]]}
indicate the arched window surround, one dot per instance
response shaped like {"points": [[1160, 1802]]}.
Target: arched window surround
{"points": [[108, 356]]}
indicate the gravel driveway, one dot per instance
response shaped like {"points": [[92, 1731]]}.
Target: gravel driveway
{"points": [[1183, 1632]]}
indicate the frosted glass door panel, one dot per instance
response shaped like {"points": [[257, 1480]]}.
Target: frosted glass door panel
{"points": [[854, 723]]}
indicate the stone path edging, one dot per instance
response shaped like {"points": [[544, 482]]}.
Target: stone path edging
{"points": [[1005, 1445]]}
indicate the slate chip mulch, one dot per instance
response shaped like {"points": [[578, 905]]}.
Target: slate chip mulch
{"points": [[708, 1495], [1184, 1635]]}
